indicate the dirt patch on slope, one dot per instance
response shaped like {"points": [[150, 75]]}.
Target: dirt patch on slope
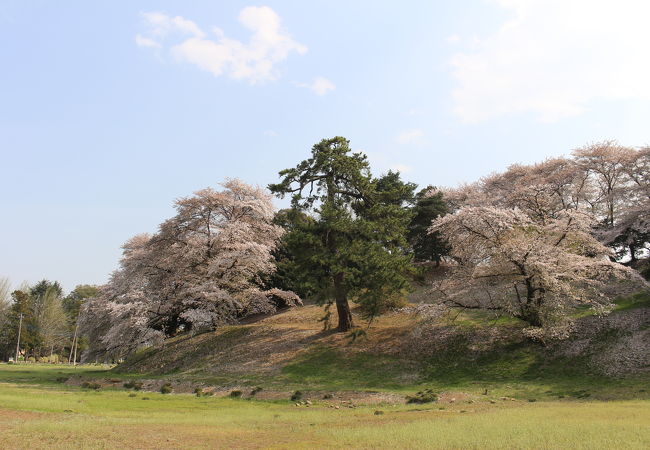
{"points": [[262, 348]]}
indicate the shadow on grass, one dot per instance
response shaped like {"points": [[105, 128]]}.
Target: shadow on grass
{"points": [[523, 370]]}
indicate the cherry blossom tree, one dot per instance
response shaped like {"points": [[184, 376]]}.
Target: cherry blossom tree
{"points": [[202, 269], [621, 179], [637, 169], [608, 181], [505, 260], [605, 163]]}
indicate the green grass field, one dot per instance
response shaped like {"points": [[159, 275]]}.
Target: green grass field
{"points": [[37, 411]]}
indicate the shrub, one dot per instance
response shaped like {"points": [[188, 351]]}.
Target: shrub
{"points": [[426, 396], [133, 395], [62, 379], [145, 398], [166, 389], [203, 393], [235, 394], [89, 385], [255, 391], [356, 334], [137, 385], [296, 396], [327, 396], [582, 394]]}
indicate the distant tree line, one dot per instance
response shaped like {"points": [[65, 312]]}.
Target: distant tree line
{"points": [[43, 318]]}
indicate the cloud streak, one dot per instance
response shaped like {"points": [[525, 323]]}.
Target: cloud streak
{"points": [[319, 86], [142, 41], [409, 136]]}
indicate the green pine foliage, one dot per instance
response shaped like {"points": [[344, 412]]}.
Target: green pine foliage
{"points": [[295, 248], [429, 205], [348, 230]]}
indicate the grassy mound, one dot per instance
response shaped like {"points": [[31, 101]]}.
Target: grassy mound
{"points": [[465, 350]]}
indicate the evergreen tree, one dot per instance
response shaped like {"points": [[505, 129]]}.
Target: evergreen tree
{"points": [[73, 301], [38, 291], [392, 190], [30, 338], [354, 247], [294, 249], [429, 205]]}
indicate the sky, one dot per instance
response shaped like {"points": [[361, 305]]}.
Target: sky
{"points": [[109, 111]]}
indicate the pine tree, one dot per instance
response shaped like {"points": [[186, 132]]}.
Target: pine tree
{"points": [[429, 205], [354, 247]]}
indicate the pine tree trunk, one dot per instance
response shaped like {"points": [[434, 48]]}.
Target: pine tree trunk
{"points": [[342, 305]]}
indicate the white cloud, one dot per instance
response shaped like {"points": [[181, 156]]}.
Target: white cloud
{"points": [[270, 133], [382, 162], [554, 57], [161, 24], [409, 136], [415, 112], [319, 85], [453, 39], [402, 168], [253, 61], [142, 41]]}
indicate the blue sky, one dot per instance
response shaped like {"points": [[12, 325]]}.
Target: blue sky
{"points": [[111, 110]]}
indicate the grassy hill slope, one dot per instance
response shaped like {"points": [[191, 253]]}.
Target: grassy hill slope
{"points": [[470, 351]]}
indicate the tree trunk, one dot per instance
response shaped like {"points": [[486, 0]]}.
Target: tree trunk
{"points": [[342, 305], [534, 300], [532, 317], [632, 252]]}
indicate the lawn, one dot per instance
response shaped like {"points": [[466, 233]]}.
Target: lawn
{"points": [[37, 411]]}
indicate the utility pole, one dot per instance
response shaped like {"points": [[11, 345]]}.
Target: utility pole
{"points": [[20, 328], [74, 343], [74, 359]]}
